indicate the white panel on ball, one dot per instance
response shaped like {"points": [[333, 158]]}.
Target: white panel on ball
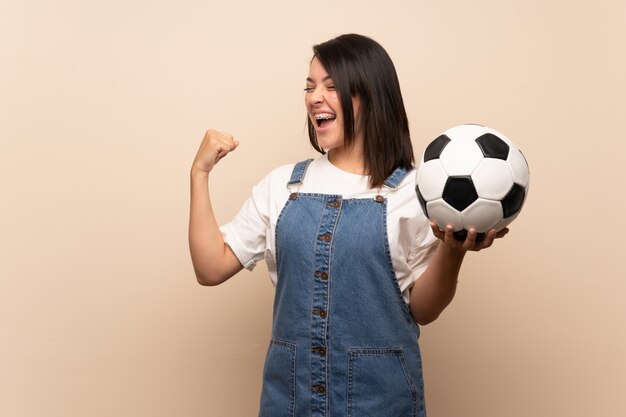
{"points": [[460, 157], [466, 132], [437, 177], [441, 213], [519, 167], [505, 222], [493, 179], [482, 215]]}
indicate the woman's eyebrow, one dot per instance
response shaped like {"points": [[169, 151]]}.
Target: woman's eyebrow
{"points": [[328, 77]]}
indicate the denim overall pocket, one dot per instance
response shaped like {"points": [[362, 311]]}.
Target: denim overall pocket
{"points": [[379, 384], [278, 396]]}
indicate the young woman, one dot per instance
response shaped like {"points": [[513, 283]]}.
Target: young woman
{"points": [[356, 264]]}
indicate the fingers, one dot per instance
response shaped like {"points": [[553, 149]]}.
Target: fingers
{"points": [[439, 234], [225, 145], [449, 238], [471, 242], [488, 241], [215, 146], [221, 142], [502, 233], [447, 235]]}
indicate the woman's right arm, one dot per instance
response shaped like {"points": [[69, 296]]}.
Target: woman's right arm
{"points": [[213, 261]]}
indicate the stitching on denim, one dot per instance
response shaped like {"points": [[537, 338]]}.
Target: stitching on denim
{"points": [[298, 172], [292, 385], [397, 176], [325, 219], [409, 380], [329, 283], [349, 387], [276, 242], [323, 196], [377, 352]]}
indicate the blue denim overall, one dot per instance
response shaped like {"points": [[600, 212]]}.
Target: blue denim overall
{"points": [[344, 343]]}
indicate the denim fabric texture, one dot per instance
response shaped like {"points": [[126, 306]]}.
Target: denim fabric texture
{"points": [[343, 343]]}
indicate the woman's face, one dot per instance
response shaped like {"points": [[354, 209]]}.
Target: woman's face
{"points": [[324, 109]]}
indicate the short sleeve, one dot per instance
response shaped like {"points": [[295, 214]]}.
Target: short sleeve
{"points": [[425, 245], [246, 232]]}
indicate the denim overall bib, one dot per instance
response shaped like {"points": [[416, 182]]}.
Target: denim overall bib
{"points": [[343, 341]]}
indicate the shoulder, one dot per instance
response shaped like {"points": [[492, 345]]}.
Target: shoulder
{"points": [[277, 176], [281, 174], [274, 183], [405, 209], [404, 193]]}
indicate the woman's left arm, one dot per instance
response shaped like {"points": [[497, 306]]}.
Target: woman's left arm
{"points": [[435, 288]]}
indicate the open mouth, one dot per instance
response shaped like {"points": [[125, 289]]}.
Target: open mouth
{"points": [[324, 120]]}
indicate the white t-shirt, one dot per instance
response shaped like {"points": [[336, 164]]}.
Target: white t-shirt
{"points": [[251, 233]]}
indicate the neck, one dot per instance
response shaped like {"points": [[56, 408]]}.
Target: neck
{"points": [[348, 159]]}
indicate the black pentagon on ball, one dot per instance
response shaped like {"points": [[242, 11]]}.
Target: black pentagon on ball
{"points": [[434, 148], [421, 199], [492, 146], [459, 192], [513, 201]]}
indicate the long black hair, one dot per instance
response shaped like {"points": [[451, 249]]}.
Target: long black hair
{"points": [[360, 67]]}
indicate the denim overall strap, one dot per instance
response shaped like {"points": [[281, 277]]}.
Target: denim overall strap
{"points": [[396, 177], [343, 341], [297, 175]]}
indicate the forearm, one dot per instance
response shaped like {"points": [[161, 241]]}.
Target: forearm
{"points": [[206, 243], [435, 288]]}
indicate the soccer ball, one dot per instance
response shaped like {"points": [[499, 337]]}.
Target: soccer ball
{"points": [[472, 176]]}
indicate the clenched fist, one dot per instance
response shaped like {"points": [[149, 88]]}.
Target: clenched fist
{"points": [[215, 145]]}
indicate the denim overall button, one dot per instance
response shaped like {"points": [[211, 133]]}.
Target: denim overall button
{"points": [[320, 313], [320, 350], [326, 237], [323, 275], [319, 388], [335, 203], [293, 196], [379, 198]]}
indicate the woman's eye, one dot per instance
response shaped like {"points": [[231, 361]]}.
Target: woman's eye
{"points": [[328, 87]]}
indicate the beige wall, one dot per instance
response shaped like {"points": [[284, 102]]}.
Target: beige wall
{"points": [[104, 104]]}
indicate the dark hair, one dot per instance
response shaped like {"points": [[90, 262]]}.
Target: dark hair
{"points": [[360, 67]]}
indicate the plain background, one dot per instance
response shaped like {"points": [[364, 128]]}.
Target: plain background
{"points": [[102, 109]]}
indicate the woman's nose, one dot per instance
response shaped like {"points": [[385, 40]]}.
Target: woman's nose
{"points": [[317, 96]]}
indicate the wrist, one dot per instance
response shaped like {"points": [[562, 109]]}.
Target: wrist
{"points": [[198, 173], [451, 253]]}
